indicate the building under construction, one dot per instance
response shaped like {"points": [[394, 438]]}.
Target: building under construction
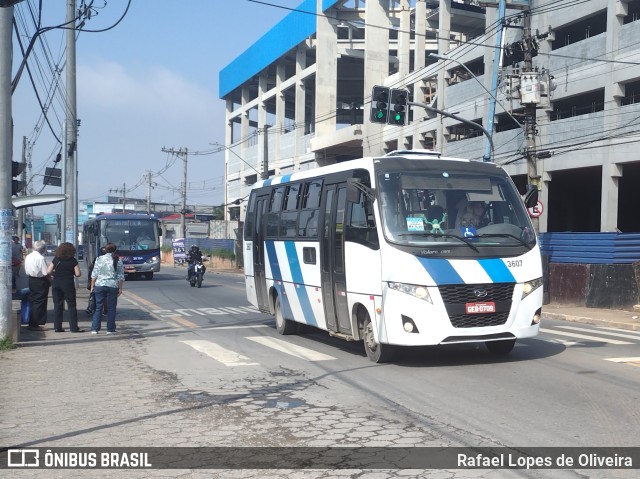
{"points": [[556, 84]]}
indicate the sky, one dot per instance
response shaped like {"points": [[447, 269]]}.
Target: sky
{"points": [[149, 83]]}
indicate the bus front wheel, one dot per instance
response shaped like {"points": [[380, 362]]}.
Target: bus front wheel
{"points": [[283, 326], [376, 352], [500, 348]]}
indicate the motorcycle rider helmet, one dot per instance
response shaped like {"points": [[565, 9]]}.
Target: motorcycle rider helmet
{"points": [[195, 249]]}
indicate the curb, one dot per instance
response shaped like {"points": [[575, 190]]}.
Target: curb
{"points": [[594, 321]]}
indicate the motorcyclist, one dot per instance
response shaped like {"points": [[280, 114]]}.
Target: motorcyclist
{"points": [[194, 256]]}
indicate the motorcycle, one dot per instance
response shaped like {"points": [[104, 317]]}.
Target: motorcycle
{"points": [[197, 272]]}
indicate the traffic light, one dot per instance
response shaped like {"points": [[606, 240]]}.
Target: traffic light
{"points": [[17, 169], [398, 110], [379, 104]]}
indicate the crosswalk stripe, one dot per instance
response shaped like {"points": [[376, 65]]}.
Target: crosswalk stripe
{"points": [[630, 361], [617, 335], [564, 342], [632, 332], [291, 349], [220, 354], [584, 336]]}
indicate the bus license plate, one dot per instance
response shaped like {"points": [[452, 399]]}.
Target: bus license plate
{"points": [[473, 308]]}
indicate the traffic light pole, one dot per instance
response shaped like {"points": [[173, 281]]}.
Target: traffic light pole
{"points": [[473, 124]]}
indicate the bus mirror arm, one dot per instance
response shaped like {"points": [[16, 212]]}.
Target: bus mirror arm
{"points": [[531, 196], [354, 186]]}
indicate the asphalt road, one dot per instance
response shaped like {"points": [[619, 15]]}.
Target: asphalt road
{"points": [[571, 386]]}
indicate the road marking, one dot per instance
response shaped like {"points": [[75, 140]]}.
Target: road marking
{"points": [[247, 326], [564, 342], [617, 335], [584, 336], [291, 349], [629, 361], [618, 329], [220, 354], [150, 307]]}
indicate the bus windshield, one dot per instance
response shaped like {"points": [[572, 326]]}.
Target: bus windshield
{"points": [[130, 235], [459, 208]]}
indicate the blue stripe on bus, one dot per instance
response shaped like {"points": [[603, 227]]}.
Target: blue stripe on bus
{"points": [[296, 277], [267, 182], [497, 270], [273, 260], [441, 271], [285, 179]]}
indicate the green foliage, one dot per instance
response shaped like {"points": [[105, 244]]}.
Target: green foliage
{"points": [[219, 253], [6, 344], [166, 248]]}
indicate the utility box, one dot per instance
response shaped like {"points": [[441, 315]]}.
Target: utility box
{"points": [[530, 88]]}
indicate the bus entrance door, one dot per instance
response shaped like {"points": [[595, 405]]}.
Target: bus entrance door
{"points": [[334, 285], [259, 256]]}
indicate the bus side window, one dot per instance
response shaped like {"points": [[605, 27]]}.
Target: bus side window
{"points": [[359, 228], [308, 224], [273, 216], [311, 195]]}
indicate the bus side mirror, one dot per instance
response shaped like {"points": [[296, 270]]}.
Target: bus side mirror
{"points": [[531, 196]]}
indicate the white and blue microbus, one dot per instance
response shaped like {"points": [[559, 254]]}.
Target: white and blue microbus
{"points": [[408, 249]]}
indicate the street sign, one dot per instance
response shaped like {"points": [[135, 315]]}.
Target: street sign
{"points": [[536, 211], [52, 177]]}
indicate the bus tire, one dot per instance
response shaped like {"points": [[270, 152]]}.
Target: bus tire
{"points": [[148, 276], [500, 348], [283, 326], [376, 352]]}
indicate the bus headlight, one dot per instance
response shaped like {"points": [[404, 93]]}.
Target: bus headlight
{"points": [[419, 292], [153, 259], [530, 286]]}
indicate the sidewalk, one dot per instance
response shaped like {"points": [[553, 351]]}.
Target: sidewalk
{"points": [[613, 318]]}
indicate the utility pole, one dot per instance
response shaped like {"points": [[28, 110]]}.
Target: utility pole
{"points": [[71, 169], [7, 326], [265, 157], [20, 229], [530, 81], [183, 153], [149, 187], [122, 190]]}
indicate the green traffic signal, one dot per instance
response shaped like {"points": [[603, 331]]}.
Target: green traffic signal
{"points": [[379, 104]]}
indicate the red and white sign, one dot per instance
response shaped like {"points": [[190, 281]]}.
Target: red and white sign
{"points": [[536, 210], [475, 308]]}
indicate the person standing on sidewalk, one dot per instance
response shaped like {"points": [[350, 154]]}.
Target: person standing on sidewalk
{"points": [[63, 270], [107, 279], [35, 267]]}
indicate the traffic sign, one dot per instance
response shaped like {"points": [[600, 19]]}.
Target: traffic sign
{"points": [[536, 210]]}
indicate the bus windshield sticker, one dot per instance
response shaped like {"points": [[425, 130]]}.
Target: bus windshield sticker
{"points": [[415, 224]]}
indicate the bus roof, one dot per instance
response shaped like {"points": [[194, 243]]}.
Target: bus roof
{"points": [[367, 163], [125, 216]]}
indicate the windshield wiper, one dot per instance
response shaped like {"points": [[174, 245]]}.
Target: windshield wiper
{"points": [[442, 235], [505, 235]]}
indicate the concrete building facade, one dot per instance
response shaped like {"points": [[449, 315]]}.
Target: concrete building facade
{"points": [[300, 97]]}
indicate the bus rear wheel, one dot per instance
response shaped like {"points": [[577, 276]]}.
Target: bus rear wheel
{"points": [[376, 352], [283, 326], [500, 348]]}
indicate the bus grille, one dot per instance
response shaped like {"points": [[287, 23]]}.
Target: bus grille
{"points": [[455, 297], [463, 293], [478, 320]]}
